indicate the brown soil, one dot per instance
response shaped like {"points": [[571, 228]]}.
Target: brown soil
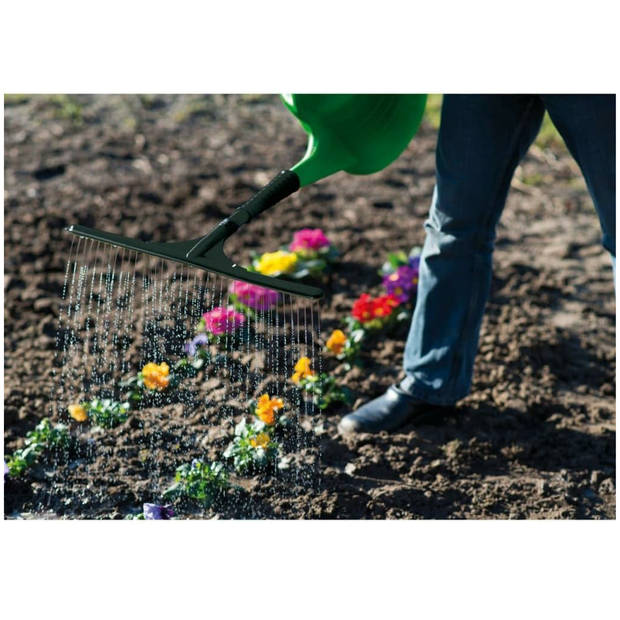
{"points": [[536, 438]]}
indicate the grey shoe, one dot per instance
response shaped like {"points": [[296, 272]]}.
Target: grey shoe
{"points": [[387, 412]]}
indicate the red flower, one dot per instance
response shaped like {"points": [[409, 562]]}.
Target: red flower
{"points": [[366, 308], [362, 308], [383, 306]]}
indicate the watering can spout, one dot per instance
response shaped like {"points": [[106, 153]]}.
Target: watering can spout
{"points": [[318, 161]]}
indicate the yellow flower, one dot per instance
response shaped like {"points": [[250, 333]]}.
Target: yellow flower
{"points": [[272, 263], [336, 341], [155, 376], [266, 408], [302, 370], [78, 412], [260, 441]]}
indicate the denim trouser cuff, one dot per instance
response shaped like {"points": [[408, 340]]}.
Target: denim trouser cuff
{"points": [[409, 385]]}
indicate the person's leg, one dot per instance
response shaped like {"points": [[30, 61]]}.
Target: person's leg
{"points": [[481, 141], [588, 125]]}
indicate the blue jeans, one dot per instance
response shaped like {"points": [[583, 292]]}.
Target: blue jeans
{"points": [[481, 141]]}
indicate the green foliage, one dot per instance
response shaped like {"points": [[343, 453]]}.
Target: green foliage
{"points": [[252, 448], [186, 367], [324, 390], [376, 326], [198, 482], [67, 107], [44, 438], [352, 348], [313, 263], [398, 259], [56, 436], [106, 412]]}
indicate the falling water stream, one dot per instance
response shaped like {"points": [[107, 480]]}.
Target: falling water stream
{"points": [[122, 310]]}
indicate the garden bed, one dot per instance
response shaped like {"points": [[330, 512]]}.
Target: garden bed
{"points": [[536, 439]]}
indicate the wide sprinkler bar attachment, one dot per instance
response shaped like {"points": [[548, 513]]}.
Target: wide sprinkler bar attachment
{"points": [[208, 252]]}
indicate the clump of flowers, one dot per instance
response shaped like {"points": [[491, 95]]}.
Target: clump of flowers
{"points": [[323, 388], [153, 512], [400, 274], [198, 482], [402, 283], [303, 370], [78, 412], [268, 408], [369, 314], [308, 254], [156, 376], [157, 512], [346, 346], [275, 263], [309, 240], [374, 313], [252, 296], [45, 437], [253, 447], [221, 321], [197, 345], [154, 379], [336, 342]]}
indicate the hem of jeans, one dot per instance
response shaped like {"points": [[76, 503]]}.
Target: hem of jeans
{"points": [[430, 398]]}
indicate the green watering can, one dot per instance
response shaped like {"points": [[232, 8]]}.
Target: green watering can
{"points": [[359, 134]]}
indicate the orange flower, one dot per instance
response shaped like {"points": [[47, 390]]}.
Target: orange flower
{"points": [[336, 341], [302, 370], [156, 376], [266, 408], [260, 441], [78, 412]]}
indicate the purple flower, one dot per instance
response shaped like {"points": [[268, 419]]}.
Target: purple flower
{"points": [[414, 262], [191, 347], [402, 283], [155, 512], [6, 469]]}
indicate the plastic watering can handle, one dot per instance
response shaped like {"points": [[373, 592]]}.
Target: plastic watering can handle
{"points": [[359, 134]]}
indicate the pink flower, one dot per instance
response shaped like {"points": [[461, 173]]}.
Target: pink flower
{"points": [[309, 239], [254, 296], [222, 320]]}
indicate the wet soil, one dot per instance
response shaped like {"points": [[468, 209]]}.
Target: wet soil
{"points": [[536, 437]]}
